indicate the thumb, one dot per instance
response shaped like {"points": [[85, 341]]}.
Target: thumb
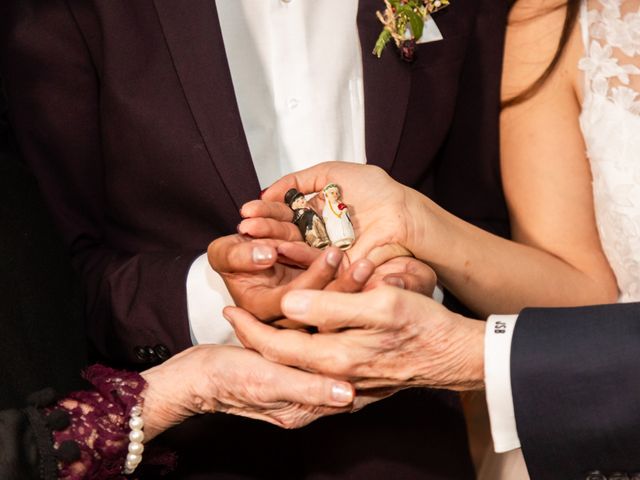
{"points": [[233, 254], [310, 180]]}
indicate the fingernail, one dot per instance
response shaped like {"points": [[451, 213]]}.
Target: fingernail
{"points": [[296, 303], [227, 317], [395, 282], [262, 255], [361, 273], [333, 258], [341, 393]]}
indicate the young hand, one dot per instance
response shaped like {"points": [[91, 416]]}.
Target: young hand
{"points": [[257, 281], [387, 217]]}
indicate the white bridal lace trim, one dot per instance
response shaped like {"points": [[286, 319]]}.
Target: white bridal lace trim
{"points": [[610, 123]]}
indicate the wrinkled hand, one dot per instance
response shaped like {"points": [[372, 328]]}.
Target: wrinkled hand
{"points": [[387, 217], [257, 280], [385, 337], [211, 378]]}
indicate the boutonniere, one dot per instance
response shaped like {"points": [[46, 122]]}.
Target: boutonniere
{"points": [[403, 22]]}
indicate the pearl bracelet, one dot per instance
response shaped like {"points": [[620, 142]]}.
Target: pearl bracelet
{"points": [[136, 437]]}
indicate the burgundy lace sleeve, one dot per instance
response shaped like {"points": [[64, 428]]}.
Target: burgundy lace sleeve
{"points": [[94, 438]]}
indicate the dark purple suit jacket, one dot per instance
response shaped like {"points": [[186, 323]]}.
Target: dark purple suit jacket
{"points": [[125, 110]]}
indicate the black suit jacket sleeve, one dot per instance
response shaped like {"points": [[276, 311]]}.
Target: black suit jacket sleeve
{"points": [[22, 436], [576, 386], [134, 297]]}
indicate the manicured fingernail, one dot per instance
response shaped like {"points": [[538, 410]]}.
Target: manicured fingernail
{"points": [[341, 393], [262, 255], [296, 303], [361, 273], [333, 258], [395, 282]]}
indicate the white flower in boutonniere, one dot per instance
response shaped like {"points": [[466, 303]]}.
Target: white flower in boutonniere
{"points": [[404, 22]]}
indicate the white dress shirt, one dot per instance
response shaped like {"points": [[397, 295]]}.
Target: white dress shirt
{"points": [[296, 67]]}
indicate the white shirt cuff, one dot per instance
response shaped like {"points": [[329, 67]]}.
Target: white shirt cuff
{"points": [[497, 372], [207, 295]]}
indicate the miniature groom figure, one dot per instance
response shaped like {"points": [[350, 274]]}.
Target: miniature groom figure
{"points": [[310, 224]]}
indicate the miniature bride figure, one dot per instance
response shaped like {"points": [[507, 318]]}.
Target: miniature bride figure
{"points": [[336, 218]]}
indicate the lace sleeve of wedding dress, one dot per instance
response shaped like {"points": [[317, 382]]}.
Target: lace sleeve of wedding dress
{"points": [[611, 34], [610, 123]]}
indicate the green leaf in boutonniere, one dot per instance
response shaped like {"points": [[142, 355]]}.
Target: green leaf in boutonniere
{"points": [[403, 22]]}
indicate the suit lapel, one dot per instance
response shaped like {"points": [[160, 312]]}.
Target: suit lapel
{"points": [[387, 82], [194, 38]]}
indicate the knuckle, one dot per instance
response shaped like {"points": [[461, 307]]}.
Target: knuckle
{"points": [[342, 362], [313, 390], [388, 299], [270, 352]]}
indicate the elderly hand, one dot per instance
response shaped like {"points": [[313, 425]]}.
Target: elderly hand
{"points": [[211, 378], [388, 217], [385, 337]]}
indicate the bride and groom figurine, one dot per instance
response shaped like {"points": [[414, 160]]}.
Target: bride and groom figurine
{"points": [[334, 228]]}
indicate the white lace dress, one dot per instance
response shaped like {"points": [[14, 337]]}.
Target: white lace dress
{"points": [[610, 123]]}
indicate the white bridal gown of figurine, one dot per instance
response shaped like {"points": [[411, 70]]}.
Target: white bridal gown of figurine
{"points": [[336, 218]]}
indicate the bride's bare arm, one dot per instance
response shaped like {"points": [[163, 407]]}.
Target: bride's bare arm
{"points": [[558, 258]]}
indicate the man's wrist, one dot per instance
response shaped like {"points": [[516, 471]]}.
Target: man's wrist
{"points": [[473, 348], [456, 361]]}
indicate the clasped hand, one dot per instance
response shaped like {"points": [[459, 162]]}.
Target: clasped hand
{"points": [[382, 340]]}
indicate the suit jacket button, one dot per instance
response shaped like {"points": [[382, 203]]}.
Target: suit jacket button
{"points": [[618, 476], [596, 475], [141, 354], [152, 357], [163, 352]]}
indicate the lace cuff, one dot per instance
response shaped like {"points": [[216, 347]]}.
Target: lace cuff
{"points": [[92, 435]]}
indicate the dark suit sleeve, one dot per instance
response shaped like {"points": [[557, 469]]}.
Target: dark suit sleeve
{"points": [[134, 298], [576, 386], [20, 443], [469, 162]]}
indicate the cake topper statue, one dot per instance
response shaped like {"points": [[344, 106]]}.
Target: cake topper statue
{"points": [[336, 218], [308, 221]]}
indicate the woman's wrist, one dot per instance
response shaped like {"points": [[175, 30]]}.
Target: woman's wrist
{"points": [[424, 228], [168, 402], [163, 408]]}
